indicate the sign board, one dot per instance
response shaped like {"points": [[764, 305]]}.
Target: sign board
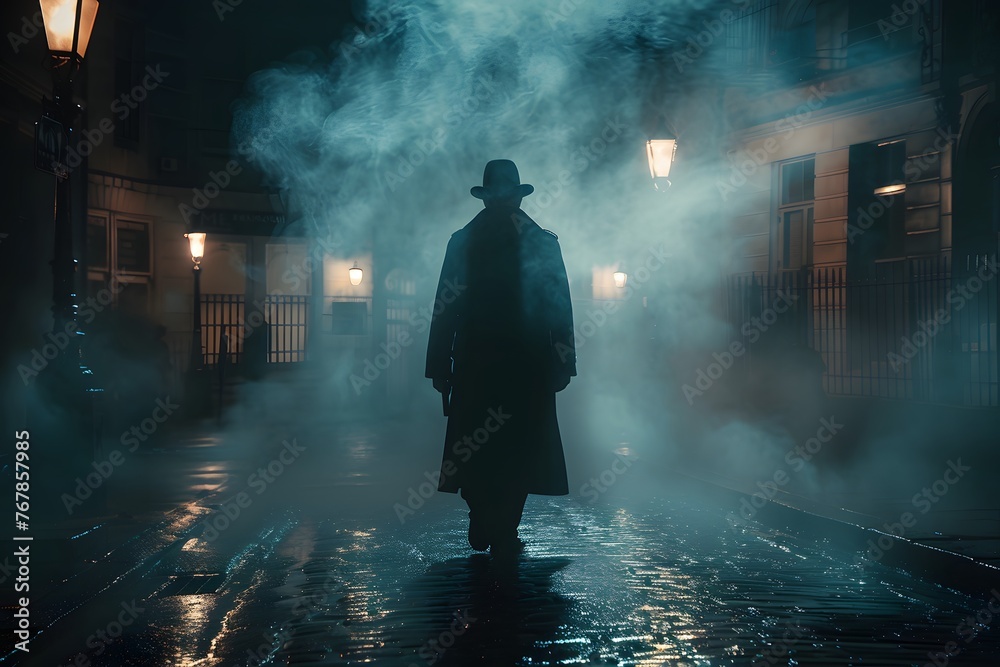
{"points": [[50, 146], [243, 223]]}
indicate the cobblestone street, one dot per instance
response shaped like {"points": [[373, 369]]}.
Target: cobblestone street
{"points": [[318, 569]]}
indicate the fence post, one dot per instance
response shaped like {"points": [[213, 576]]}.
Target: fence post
{"points": [[223, 359]]}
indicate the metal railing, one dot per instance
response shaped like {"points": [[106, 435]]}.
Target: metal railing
{"points": [[917, 329], [222, 314], [275, 330], [287, 316]]}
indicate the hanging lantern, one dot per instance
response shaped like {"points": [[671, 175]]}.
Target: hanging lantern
{"points": [[68, 26], [661, 150]]}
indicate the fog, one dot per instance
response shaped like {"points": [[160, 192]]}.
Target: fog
{"points": [[375, 140], [261, 468]]}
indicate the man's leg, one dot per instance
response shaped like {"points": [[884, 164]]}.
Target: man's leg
{"points": [[510, 507], [479, 517]]}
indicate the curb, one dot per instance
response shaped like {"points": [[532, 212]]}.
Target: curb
{"points": [[946, 568]]}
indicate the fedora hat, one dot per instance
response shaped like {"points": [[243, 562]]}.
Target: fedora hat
{"points": [[500, 179]]}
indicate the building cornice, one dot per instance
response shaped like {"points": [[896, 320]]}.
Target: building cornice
{"points": [[840, 111]]}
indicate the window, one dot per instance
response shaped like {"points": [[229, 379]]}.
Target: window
{"points": [[349, 318], [794, 234], [132, 247], [872, 32], [793, 46], [875, 243], [876, 225], [119, 260], [888, 161], [797, 181], [770, 34], [216, 113], [748, 35]]}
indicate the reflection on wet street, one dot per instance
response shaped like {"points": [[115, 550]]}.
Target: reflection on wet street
{"points": [[321, 571], [661, 583]]}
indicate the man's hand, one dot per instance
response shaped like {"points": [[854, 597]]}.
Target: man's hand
{"points": [[442, 384]]}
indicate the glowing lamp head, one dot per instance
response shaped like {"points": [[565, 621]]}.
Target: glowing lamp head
{"points": [[661, 153], [68, 26], [355, 275], [620, 279], [196, 240]]}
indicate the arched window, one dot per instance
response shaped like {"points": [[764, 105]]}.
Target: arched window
{"points": [[774, 35]]}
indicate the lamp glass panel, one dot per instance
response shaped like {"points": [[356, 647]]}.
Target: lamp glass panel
{"points": [[660, 153], [88, 16], [59, 17], [197, 242]]}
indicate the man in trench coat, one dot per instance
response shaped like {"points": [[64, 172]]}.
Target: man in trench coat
{"points": [[501, 346]]}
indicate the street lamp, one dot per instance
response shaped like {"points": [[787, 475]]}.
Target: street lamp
{"points": [[71, 387], [196, 243], [620, 279], [68, 26], [355, 274], [661, 151]]}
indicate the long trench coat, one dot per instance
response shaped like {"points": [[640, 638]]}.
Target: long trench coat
{"points": [[502, 330]]}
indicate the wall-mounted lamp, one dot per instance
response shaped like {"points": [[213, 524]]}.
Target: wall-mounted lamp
{"points": [[355, 274]]}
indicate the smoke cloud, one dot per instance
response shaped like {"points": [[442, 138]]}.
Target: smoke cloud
{"points": [[376, 140]]}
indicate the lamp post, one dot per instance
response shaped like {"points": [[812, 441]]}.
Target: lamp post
{"points": [[661, 150], [69, 389], [68, 26], [196, 242], [620, 279]]}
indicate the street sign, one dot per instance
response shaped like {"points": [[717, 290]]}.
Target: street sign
{"points": [[254, 223], [50, 146]]}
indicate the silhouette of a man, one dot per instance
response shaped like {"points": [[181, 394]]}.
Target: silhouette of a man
{"points": [[501, 346]]}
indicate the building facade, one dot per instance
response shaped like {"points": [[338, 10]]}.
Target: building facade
{"points": [[864, 165], [152, 159]]}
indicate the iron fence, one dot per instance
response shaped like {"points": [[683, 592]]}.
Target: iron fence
{"points": [[275, 330], [918, 329], [222, 315]]}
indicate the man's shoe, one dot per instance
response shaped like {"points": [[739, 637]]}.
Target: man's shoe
{"points": [[478, 539], [508, 547]]}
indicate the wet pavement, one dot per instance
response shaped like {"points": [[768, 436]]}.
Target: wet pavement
{"points": [[317, 563]]}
